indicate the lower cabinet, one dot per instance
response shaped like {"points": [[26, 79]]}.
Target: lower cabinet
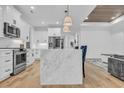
{"points": [[121, 70], [116, 67], [113, 67], [6, 63]]}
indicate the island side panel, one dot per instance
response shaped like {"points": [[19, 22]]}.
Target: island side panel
{"points": [[61, 67]]}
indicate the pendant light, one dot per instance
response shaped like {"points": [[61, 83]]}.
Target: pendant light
{"points": [[66, 29], [67, 19]]}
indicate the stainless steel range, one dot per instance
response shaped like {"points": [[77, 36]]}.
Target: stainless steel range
{"points": [[19, 61]]}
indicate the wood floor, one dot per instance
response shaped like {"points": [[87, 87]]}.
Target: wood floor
{"points": [[95, 78]]}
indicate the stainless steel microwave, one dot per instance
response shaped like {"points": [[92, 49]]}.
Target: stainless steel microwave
{"points": [[11, 31]]}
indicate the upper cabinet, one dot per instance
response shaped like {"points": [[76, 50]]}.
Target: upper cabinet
{"points": [[11, 15], [54, 31], [25, 29], [41, 37]]}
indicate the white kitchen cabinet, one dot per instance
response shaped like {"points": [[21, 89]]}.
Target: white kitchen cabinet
{"points": [[54, 31], [6, 63], [8, 13], [41, 37], [25, 28], [11, 15], [1, 21]]}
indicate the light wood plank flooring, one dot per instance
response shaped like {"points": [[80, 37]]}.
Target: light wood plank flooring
{"points": [[95, 78]]}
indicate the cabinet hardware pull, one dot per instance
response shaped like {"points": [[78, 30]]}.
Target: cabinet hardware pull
{"points": [[7, 70], [7, 60], [7, 53]]}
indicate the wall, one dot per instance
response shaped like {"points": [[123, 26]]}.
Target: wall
{"points": [[98, 40], [117, 37]]}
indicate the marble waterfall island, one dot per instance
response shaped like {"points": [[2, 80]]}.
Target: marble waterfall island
{"points": [[61, 67]]}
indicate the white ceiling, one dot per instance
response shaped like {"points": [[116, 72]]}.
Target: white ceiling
{"points": [[49, 14]]}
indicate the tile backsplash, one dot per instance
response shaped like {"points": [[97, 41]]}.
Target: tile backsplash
{"points": [[10, 43]]}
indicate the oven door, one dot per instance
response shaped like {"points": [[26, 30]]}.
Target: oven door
{"points": [[23, 57], [20, 60]]}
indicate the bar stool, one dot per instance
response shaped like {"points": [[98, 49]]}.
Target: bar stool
{"points": [[84, 51]]}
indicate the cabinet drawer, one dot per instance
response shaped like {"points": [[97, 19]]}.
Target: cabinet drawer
{"points": [[7, 66], [5, 59], [5, 53], [6, 62], [5, 72], [4, 76]]}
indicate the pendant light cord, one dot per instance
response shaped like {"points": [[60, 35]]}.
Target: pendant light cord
{"points": [[68, 9]]}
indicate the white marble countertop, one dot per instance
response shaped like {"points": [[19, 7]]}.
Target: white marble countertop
{"points": [[61, 66]]}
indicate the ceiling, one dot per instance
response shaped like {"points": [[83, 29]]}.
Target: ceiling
{"points": [[105, 13], [54, 14]]}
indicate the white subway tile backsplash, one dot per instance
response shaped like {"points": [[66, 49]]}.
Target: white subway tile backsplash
{"points": [[8, 43]]}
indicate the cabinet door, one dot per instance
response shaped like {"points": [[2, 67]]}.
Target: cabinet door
{"points": [[121, 70], [5, 72], [6, 63], [115, 70], [109, 65], [8, 14], [11, 15], [1, 21], [16, 17], [113, 66], [54, 31], [25, 31]]}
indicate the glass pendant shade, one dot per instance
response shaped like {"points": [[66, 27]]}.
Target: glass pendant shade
{"points": [[66, 29], [68, 21]]}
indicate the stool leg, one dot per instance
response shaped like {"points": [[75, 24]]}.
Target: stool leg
{"points": [[83, 70]]}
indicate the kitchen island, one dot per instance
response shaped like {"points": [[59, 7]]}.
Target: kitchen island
{"points": [[61, 67]]}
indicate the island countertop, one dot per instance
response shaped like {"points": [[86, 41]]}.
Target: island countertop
{"points": [[61, 66]]}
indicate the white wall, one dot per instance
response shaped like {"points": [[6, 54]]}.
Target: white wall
{"points": [[98, 40], [103, 39], [117, 38]]}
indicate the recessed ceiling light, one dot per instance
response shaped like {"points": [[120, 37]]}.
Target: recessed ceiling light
{"points": [[32, 7], [113, 18], [57, 22], [86, 18]]}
